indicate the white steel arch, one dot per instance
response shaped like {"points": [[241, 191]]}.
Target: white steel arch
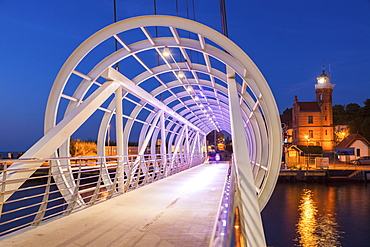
{"points": [[205, 83]]}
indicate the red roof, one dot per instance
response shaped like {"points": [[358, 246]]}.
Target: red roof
{"points": [[309, 106], [346, 142]]}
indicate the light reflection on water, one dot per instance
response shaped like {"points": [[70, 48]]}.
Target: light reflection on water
{"points": [[315, 228]]}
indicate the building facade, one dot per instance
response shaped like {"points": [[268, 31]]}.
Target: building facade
{"points": [[356, 142], [312, 122]]}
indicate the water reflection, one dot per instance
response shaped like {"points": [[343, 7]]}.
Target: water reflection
{"points": [[315, 228]]}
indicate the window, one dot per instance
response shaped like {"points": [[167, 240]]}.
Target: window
{"points": [[325, 118], [358, 152], [320, 96], [310, 134], [326, 132], [310, 119]]}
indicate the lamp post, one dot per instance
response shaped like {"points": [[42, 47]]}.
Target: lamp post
{"points": [[307, 140], [108, 139]]}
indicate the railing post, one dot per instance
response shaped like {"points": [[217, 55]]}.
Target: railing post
{"points": [[75, 195], [42, 209], [97, 188], [2, 191]]}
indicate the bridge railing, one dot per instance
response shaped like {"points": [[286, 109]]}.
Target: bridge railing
{"points": [[61, 186], [228, 229]]}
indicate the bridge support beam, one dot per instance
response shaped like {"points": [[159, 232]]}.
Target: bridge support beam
{"points": [[52, 140], [163, 140], [119, 138], [249, 203]]}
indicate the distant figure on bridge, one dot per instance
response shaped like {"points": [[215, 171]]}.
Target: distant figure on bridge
{"points": [[212, 154], [10, 155]]}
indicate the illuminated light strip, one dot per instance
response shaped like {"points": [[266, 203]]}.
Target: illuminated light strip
{"points": [[69, 98], [260, 166], [97, 83], [142, 63], [246, 73], [202, 42], [109, 111], [195, 76], [122, 43], [160, 81], [256, 105], [244, 87], [86, 77], [175, 35], [148, 36], [213, 81], [185, 55], [208, 62]]}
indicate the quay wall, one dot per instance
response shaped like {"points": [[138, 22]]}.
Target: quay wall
{"points": [[324, 175]]}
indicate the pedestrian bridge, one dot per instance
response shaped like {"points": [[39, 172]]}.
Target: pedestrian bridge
{"points": [[167, 85]]}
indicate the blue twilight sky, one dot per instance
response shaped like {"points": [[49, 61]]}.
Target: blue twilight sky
{"points": [[288, 40]]}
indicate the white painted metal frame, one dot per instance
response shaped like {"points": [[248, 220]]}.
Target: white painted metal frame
{"points": [[180, 109]]}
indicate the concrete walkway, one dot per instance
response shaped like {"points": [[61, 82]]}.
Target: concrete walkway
{"points": [[177, 211]]}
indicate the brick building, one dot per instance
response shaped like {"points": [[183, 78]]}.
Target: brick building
{"points": [[312, 122]]}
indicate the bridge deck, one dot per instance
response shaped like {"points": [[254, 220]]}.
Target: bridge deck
{"points": [[177, 211]]}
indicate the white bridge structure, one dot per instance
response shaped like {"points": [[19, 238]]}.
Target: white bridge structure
{"points": [[174, 80]]}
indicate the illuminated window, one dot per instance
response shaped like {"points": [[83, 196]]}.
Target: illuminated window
{"points": [[310, 119], [310, 133]]}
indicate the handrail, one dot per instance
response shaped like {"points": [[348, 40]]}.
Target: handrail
{"points": [[228, 229], [41, 197]]}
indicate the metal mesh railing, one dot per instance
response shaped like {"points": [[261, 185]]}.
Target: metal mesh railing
{"points": [[64, 185]]}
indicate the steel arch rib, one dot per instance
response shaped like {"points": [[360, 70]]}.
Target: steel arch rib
{"points": [[259, 115]]}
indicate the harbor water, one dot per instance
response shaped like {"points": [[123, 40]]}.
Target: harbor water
{"points": [[318, 214]]}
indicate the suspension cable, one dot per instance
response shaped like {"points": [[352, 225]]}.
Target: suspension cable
{"points": [[177, 8], [115, 20], [223, 18], [193, 10], [187, 9]]}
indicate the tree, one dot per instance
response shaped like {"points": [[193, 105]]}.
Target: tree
{"points": [[80, 148], [365, 128], [354, 118], [366, 108], [339, 115], [340, 135]]}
